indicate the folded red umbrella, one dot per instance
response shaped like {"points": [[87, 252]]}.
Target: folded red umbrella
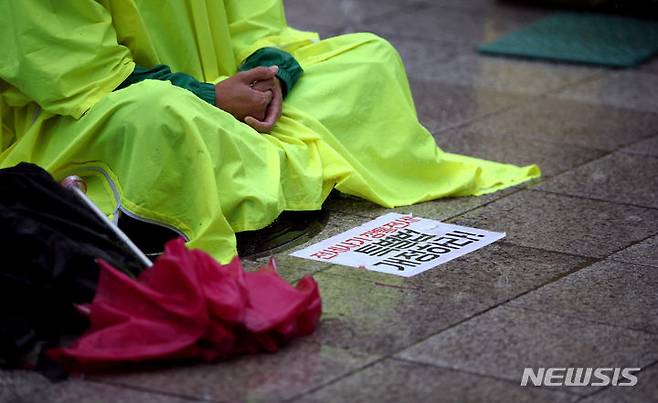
{"points": [[189, 306]]}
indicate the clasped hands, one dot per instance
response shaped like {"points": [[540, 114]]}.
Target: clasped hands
{"points": [[253, 96]]}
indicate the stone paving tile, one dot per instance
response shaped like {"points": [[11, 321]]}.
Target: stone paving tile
{"points": [[441, 106], [451, 24], [650, 67], [610, 292], [645, 252], [645, 147], [552, 158], [505, 340], [382, 313], [427, 59], [381, 319], [572, 123], [295, 369], [495, 273], [473, 6], [423, 58], [646, 390], [400, 381], [564, 223], [76, 391], [507, 75], [17, 383], [618, 177], [624, 89]]}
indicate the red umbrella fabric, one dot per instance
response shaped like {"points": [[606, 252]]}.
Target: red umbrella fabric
{"points": [[189, 306]]}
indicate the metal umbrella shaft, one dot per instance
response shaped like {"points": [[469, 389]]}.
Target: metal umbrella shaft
{"points": [[78, 186]]}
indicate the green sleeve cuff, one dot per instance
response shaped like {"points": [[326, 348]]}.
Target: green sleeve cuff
{"points": [[289, 70], [205, 91]]}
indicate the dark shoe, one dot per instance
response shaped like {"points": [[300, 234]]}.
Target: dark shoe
{"points": [[290, 229]]}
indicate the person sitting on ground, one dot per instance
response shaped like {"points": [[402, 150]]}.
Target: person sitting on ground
{"points": [[213, 117]]}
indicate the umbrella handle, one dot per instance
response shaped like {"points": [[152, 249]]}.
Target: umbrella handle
{"points": [[78, 186]]}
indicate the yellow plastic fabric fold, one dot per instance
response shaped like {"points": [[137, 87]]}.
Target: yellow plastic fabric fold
{"points": [[157, 152], [64, 57]]}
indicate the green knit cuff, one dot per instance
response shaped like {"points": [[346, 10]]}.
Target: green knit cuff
{"points": [[205, 91]]}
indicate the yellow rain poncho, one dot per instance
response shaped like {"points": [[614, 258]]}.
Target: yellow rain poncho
{"points": [[159, 153]]}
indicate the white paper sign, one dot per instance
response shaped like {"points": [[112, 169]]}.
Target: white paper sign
{"points": [[399, 244]]}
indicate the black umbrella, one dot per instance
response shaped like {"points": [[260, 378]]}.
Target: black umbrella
{"points": [[50, 238]]}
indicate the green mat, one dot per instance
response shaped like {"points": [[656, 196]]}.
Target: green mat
{"points": [[583, 38]]}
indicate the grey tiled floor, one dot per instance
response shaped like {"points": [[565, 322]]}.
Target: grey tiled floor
{"points": [[575, 283]]}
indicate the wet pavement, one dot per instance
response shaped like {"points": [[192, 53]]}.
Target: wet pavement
{"points": [[574, 284]]}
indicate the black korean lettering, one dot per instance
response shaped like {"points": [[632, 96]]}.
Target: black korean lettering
{"points": [[395, 242], [452, 243], [374, 249], [418, 256], [414, 236], [434, 248], [399, 264], [467, 235]]}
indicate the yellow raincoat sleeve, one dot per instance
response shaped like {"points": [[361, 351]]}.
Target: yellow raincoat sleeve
{"points": [[63, 55], [256, 24]]}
